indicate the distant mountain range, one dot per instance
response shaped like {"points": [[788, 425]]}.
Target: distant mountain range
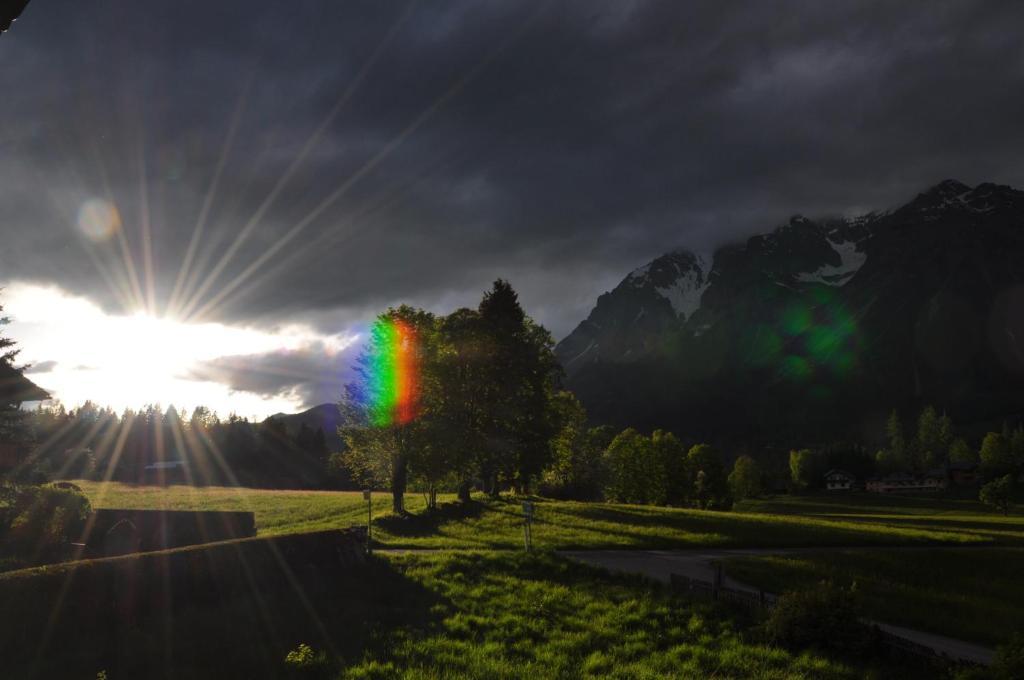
{"points": [[326, 416], [820, 326]]}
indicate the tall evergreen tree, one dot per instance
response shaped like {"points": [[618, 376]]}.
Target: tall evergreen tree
{"points": [[520, 385], [897, 457]]}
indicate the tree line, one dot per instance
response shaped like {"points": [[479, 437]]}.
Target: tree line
{"points": [[490, 414], [91, 442]]}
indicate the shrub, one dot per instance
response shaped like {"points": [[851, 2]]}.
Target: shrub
{"points": [[1009, 662], [39, 520], [822, 617], [304, 662], [998, 493]]}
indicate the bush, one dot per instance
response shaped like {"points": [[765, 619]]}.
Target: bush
{"points": [[998, 493], [304, 662], [1009, 662], [36, 522], [823, 617]]}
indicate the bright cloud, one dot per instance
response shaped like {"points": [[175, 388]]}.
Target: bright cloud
{"points": [[128, 361]]}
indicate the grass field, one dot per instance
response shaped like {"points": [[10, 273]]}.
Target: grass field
{"points": [[488, 615], [497, 524], [507, 615], [493, 613], [975, 595]]}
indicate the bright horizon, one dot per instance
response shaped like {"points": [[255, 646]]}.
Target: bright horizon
{"points": [[78, 352]]}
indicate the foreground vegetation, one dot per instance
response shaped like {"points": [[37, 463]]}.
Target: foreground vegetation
{"points": [[497, 523], [511, 616], [443, 615], [972, 595]]}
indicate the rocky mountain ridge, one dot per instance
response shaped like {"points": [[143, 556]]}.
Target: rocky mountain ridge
{"points": [[817, 317]]}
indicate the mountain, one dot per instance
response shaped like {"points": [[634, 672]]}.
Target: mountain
{"points": [[819, 327], [324, 416]]}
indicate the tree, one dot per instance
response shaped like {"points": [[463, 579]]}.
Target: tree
{"points": [[520, 379], [745, 478], [671, 464], [13, 389], [1017, 447], [463, 408], [383, 430], [634, 475], [803, 468], [960, 452], [995, 455], [897, 442], [710, 486], [576, 469], [998, 493], [931, 443]]}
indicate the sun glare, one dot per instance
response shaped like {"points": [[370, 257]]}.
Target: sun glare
{"points": [[129, 361]]}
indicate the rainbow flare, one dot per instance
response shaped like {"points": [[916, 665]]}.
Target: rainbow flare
{"points": [[393, 375]]}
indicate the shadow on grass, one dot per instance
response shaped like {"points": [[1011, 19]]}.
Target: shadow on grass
{"points": [[428, 522], [231, 611]]}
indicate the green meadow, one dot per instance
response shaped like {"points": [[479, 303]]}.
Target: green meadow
{"points": [[497, 523], [975, 595], [422, 616], [478, 607]]}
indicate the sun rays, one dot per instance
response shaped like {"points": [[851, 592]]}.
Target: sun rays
{"points": [[127, 361]]}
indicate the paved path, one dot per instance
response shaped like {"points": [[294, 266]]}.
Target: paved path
{"points": [[697, 564]]}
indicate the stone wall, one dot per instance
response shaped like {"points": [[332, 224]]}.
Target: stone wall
{"points": [[146, 530]]}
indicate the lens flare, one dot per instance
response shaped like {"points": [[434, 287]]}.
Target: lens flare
{"points": [[393, 374], [821, 340], [98, 220]]}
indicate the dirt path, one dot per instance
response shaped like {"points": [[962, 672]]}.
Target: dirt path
{"points": [[658, 565]]}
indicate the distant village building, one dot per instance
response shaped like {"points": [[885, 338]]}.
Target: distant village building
{"points": [[963, 474], [839, 480], [166, 472], [935, 480]]}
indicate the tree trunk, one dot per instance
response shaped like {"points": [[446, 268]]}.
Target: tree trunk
{"points": [[464, 491], [432, 499], [399, 478]]}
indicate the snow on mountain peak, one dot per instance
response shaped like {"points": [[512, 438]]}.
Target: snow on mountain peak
{"points": [[685, 291], [680, 277], [850, 261]]}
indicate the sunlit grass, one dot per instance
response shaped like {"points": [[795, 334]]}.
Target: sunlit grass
{"points": [[506, 615], [967, 594], [497, 524]]}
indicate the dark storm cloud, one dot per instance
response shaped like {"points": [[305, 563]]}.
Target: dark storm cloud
{"points": [[41, 367], [315, 374], [558, 145]]}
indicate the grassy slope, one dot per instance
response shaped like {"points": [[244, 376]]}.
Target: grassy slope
{"points": [[497, 524], [973, 595]]}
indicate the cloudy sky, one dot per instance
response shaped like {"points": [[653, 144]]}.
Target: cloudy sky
{"points": [[208, 201]]}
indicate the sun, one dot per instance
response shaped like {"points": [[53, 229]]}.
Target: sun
{"points": [[127, 361], [142, 357]]}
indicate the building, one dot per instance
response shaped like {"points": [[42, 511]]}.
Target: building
{"points": [[166, 472], [963, 474], [839, 480], [902, 482]]}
